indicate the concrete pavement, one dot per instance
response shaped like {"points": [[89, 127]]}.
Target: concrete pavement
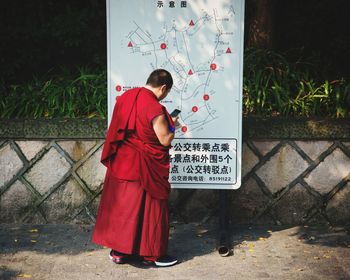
{"points": [[66, 252]]}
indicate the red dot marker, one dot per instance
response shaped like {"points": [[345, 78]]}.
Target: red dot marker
{"points": [[118, 88], [213, 66], [130, 44], [191, 23], [184, 129], [163, 46], [190, 72], [206, 97], [228, 50], [194, 109]]}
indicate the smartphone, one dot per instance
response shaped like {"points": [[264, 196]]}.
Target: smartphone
{"points": [[175, 113]]}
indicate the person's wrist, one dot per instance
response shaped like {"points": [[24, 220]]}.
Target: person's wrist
{"points": [[172, 128]]}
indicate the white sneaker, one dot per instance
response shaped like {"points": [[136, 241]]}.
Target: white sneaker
{"points": [[165, 261]]}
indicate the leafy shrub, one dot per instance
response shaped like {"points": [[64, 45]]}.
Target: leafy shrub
{"points": [[273, 86], [84, 96]]}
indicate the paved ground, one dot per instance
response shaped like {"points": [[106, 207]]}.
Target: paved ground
{"points": [[65, 252]]}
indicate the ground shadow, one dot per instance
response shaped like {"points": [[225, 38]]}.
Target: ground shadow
{"points": [[7, 274], [323, 235], [187, 240]]}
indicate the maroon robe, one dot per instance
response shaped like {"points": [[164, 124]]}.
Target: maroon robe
{"points": [[133, 213]]}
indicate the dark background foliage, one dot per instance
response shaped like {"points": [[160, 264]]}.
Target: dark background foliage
{"points": [[319, 27], [39, 36], [53, 58]]}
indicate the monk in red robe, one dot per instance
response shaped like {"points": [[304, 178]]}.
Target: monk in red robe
{"points": [[133, 216]]}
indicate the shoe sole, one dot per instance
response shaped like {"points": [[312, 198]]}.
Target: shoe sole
{"points": [[165, 264]]}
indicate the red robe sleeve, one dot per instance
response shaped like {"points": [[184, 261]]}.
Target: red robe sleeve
{"points": [[123, 119]]}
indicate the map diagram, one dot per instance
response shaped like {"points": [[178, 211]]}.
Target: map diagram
{"points": [[197, 51], [200, 43]]}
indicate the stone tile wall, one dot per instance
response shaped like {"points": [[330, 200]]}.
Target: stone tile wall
{"points": [[56, 181], [285, 181]]}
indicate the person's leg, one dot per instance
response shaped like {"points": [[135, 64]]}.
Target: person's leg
{"points": [[155, 229], [130, 222], [118, 215]]}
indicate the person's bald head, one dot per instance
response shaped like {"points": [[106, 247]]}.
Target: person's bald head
{"points": [[160, 77]]}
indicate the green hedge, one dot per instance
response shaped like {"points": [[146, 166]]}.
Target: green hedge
{"points": [[61, 96], [290, 85], [274, 85]]}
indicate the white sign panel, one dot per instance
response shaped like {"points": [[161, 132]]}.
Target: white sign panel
{"points": [[200, 43]]}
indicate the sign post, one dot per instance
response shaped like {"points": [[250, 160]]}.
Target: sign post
{"points": [[201, 44]]}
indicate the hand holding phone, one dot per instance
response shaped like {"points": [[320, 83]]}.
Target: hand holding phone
{"points": [[175, 115]]}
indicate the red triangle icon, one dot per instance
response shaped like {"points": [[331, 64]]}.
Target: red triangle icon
{"points": [[130, 44], [191, 23], [228, 50], [190, 72]]}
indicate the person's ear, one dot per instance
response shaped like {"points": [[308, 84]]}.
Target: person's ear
{"points": [[163, 89]]}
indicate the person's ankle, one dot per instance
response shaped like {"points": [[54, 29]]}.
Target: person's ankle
{"points": [[150, 258], [116, 252]]}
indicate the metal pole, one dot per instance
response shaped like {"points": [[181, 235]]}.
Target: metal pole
{"points": [[224, 248]]}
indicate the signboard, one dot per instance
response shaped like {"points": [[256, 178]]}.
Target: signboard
{"points": [[200, 43]]}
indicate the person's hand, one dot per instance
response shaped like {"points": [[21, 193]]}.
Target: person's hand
{"points": [[176, 121]]}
